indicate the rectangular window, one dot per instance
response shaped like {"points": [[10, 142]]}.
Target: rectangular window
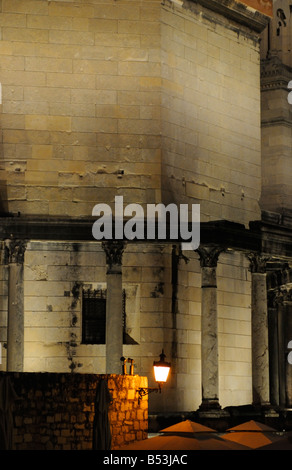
{"points": [[94, 316]]}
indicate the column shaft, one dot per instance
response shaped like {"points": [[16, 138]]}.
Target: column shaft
{"points": [[209, 328], [259, 330], [114, 322], [15, 325], [209, 333], [114, 306]]}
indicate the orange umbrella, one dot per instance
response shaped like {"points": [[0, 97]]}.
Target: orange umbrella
{"points": [[172, 442], [282, 444], [252, 426], [186, 435], [187, 427], [252, 434]]}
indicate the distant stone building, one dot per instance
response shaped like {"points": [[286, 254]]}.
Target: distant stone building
{"points": [[276, 73], [157, 102]]}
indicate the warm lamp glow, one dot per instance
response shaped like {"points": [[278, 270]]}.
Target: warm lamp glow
{"points": [[161, 372], [161, 369]]}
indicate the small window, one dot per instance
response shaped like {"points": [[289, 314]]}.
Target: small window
{"points": [[94, 316]]}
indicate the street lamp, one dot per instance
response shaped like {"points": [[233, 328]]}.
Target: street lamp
{"points": [[161, 373]]}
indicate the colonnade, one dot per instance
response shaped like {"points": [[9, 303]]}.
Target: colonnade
{"points": [[209, 256]]}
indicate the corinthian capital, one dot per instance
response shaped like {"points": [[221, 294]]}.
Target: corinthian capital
{"points": [[114, 252], [283, 294], [209, 255], [257, 262], [14, 250]]}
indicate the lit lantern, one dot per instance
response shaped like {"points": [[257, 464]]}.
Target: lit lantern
{"points": [[161, 369], [161, 373]]}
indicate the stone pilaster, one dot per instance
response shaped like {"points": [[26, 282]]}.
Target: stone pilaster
{"points": [[259, 330], [114, 306], [209, 328], [15, 250]]}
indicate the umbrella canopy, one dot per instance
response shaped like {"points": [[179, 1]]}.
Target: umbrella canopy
{"points": [[252, 434], [251, 426], [187, 427], [173, 442], [282, 444]]}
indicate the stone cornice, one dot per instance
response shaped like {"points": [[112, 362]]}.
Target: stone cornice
{"points": [[276, 122], [274, 74], [237, 12]]}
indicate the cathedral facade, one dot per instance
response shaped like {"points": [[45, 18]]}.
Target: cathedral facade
{"points": [[148, 103]]}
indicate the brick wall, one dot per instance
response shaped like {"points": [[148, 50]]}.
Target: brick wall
{"points": [[56, 411]]}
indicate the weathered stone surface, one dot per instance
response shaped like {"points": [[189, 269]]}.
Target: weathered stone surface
{"points": [[56, 411]]}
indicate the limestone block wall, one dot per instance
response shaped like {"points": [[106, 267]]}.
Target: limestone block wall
{"points": [[105, 98], [210, 113], [80, 117], [56, 411], [276, 143], [234, 328]]}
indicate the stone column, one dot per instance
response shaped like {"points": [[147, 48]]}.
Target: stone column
{"points": [[114, 306], [283, 299], [273, 350], [281, 303], [209, 328], [259, 331], [15, 327]]}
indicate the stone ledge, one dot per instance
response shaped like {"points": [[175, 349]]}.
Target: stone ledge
{"points": [[238, 12]]}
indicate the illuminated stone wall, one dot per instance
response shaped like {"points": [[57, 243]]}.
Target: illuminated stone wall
{"points": [[89, 90], [56, 411], [81, 104], [211, 114], [152, 101], [277, 111]]}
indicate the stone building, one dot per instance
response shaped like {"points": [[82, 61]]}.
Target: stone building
{"points": [[275, 202], [155, 102]]}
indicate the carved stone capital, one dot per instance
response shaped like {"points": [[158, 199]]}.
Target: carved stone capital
{"points": [[258, 262], [209, 255], [283, 294], [114, 252], [14, 251]]}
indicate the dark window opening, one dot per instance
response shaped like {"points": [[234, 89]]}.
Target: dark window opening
{"points": [[94, 317]]}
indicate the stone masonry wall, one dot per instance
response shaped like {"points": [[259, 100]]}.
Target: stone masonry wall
{"points": [[81, 104], [56, 411], [210, 113]]}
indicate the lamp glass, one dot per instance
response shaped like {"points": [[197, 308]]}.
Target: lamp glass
{"points": [[161, 373]]}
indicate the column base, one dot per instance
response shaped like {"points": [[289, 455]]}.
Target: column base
{"points": [[210, 408], [266, 409], [210, 404]]}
